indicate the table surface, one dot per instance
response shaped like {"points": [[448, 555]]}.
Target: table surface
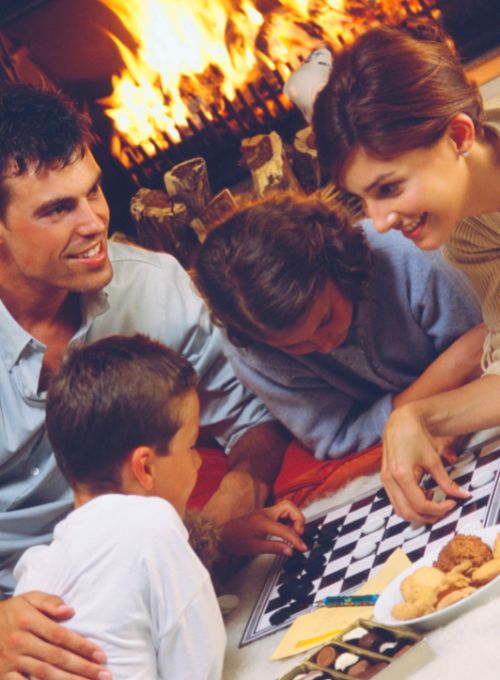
{"points": [[478, 658]]}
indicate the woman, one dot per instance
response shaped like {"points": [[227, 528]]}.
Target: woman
{"points": [[399, 125]]}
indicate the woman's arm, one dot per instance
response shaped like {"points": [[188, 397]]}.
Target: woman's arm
{"points": [[456, 366], [409, 448]]}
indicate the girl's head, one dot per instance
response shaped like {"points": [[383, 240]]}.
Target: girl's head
{"points": [[285, 268], [391, 92]]}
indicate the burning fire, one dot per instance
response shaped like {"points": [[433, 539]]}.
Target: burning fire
{"points": [[191, 55]]}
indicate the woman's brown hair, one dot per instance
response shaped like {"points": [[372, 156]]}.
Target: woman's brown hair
{"points": [[391, 91]]}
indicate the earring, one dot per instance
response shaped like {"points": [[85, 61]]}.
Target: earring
{"points": [[464, 153]]}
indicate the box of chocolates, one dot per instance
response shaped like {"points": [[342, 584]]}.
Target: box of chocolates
{"points": [[366, 650]]}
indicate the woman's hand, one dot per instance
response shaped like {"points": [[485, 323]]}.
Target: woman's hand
{"points": [[409, 452]]}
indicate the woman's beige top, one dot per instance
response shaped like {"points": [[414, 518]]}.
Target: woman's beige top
{"points": [[474, 247]]}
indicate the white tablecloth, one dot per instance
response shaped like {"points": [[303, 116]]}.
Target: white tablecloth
{"points": [[468, 648]]}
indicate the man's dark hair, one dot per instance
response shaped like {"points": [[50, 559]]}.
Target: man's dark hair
{"points": [[261, 268], [110, 397], [38, 129]]}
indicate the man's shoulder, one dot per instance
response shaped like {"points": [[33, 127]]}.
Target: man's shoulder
{"points": [[138, 273], [128, 253]]}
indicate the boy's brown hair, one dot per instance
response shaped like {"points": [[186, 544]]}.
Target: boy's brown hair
{"points": [[110, 397]]}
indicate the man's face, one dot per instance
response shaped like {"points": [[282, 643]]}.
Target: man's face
{"points": [[322, 328], [53, 233]]}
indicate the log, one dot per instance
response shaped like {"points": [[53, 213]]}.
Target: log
{"points": [[220, 207], [305, 160], [188, 182], [163, 225], [265, 157]]}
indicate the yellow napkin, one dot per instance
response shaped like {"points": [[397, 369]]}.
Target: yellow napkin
{"points": [[310, 630]]}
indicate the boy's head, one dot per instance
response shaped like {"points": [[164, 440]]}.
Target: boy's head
{"points": [[122, 416], [38, 129], [285, 271]]}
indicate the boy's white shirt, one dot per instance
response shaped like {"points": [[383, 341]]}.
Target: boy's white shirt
{"points": [[138, 590]]}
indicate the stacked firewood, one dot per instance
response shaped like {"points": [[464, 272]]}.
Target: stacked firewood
{"points": [[176, 220]]}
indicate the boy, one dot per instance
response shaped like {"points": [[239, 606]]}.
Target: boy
{"points": [[123, 419]]}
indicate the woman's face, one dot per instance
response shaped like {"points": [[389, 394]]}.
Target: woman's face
{"points": [[421, 193]]}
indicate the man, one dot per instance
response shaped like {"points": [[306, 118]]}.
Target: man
{"points": [[61, 283]]}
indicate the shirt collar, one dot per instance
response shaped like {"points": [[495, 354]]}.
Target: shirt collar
{"points": [[14, 339]]}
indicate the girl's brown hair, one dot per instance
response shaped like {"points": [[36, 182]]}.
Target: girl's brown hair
{"points": [[390, 92], [261, 268]]}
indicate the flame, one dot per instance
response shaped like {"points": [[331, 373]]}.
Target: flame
{"points": [[193, 55]]}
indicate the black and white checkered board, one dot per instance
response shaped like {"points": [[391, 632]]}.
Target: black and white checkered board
{"points": [[350, 542]]}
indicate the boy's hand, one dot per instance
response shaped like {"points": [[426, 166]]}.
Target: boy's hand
{"points": [[32, 644], [275, 529]]}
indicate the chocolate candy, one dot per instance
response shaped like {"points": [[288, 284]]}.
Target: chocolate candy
{"points": [[373, 670], [345, 660], [369, 641], [357, 669], [388, 648], [355, 635], [402, 650], [326, 656]]}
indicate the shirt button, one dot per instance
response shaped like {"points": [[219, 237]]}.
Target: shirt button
{"points": [[35, 471]]}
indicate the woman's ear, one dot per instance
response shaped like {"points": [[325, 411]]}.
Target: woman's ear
{"points": [[462, 133], [140, 463]]}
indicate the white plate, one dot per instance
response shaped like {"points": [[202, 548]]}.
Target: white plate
{"points": [[391, 595]]}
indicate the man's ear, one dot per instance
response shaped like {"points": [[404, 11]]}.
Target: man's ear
{"points": [[462, 133], [141, 466]]}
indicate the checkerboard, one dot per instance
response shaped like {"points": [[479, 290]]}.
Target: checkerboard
{"points": [[348, 543]]}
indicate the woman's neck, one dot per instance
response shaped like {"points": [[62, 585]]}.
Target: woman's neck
{"points": [[484, 166]]}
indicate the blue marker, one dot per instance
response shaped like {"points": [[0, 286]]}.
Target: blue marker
{"points": [[349, 600]]}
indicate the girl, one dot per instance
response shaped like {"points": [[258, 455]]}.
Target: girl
{"points": [[399, 125]]}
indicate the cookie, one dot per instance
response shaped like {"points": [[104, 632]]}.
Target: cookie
{"points": [[486, 572], [463, 547], [454, 596]]}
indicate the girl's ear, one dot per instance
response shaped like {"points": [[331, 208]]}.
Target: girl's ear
{"points": [[140, 466], [462, 133]]}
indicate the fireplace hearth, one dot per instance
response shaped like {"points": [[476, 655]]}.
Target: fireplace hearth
{"points": [[217, 127]]}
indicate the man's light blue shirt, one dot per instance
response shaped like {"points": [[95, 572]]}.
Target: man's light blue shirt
{"points": [[150, 293]]}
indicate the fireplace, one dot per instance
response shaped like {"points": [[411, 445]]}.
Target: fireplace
{"points": [[216, 120]]}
